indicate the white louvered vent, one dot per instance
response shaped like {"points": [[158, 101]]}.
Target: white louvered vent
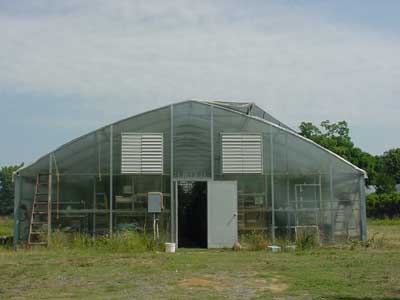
{"points": [[142, 153], [242, 153]]}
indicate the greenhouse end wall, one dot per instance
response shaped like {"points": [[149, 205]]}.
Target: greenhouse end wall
{"points": [[301, 187]]}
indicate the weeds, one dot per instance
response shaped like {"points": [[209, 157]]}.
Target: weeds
{"points": [[254, 241], [6, 226], [385, 221], [306, 241], [125, 241]]}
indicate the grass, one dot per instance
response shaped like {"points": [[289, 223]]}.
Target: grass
{"points": [[6, 226], [351, 271], [384, 222], [122, 242]]}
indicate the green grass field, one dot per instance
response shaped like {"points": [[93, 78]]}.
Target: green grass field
{"points": [[6, 226], [351, 271]]}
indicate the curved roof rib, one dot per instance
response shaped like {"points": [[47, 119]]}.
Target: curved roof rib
{"points": [[251, 109]]}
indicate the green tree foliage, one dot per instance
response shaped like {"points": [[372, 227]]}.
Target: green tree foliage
{"points": [[384, 183], [391, 164], [383, 205], [7, 189], [336, 138]]}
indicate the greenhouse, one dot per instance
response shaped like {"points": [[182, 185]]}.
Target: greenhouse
{"points": [[197, 173]]}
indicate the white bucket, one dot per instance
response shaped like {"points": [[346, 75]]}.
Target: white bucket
{"points": [[170, 247], [274, 248]]}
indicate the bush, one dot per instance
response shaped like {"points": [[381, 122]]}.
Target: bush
{"points": [[254, 241], [381, 206], [306, 240]]}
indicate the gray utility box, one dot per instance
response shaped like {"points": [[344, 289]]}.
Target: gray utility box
{"points": [[154, 202]]}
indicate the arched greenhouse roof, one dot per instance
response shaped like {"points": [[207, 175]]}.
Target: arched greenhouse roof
{"points": [[248, 109]]}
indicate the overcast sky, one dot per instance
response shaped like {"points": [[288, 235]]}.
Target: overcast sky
{"points": [[69, 67]]}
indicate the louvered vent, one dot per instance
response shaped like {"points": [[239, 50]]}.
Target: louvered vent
{"points": [[142, 153], [242, 153]]}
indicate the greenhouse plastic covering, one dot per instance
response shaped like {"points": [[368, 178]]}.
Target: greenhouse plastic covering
{"points": [[301, 186]]}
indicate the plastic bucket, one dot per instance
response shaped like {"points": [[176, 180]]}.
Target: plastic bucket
{"points": [[274, 248], [170, 247]]}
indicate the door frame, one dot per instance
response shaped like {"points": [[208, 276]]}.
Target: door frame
{"points": [[176, 182]]}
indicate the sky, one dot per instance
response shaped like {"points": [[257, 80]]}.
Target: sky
{"points": [[69, 67]]}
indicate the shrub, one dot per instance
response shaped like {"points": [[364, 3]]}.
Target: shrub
{"points": [[254, 241], [383, 205], [306, 240]]}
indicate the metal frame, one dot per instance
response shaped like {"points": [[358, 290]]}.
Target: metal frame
{"points": [[212, 141], [316, 210], [49, 200], [272, 185], [174, 212], [17, 199], [333, 225], [214, 171], [220, 107], [363, 211], [175, 184], [111, 177]]}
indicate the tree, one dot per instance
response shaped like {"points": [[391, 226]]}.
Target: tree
{"points": [[309, 130], [7, 189], [384, 183], [391, 164], [336, 138]]}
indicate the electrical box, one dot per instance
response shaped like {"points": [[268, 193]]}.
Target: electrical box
{"points": [[127, 189], [154, 202]]}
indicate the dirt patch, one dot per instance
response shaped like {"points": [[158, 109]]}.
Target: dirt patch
{"points": [[236, 287], [274, 285], [197, 282], [277, 286]]}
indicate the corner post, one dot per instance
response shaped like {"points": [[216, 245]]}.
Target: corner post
{"points": [[111, 177], [17, 199], [271, 139], [172, 190], [49, 200], [331, 196], [363, 210], [212, 142]]}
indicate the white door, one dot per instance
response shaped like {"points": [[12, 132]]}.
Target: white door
{"points": [[222, 214]]}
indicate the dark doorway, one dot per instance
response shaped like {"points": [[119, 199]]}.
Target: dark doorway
{"points": [[192, 214]]}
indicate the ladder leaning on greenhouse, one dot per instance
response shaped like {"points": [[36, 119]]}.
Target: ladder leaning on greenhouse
{"points": [[41, 211]]}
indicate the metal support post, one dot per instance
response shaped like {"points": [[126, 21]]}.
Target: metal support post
{"points": [[333, 225], [172, 191], [49, 204], [17, 199], [111, 178], [212, 142], [272, 185], [363, 210]]}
